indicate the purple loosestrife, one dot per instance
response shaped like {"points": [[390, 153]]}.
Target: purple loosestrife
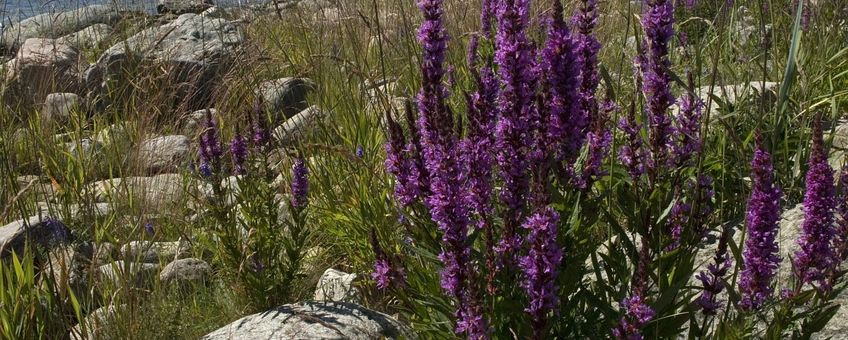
{"points": [[632, 154], [258, 126], [585, 20], [541, 266], [478, 155], [679, 218], [238, 152], [658, 23], [637, 313], [816, 258], [486, 10], [399, 164], [210, 147], [760, 256], [712, 279], [439, 145], [688, 130], [300, 184], [386, 272], [514, 57], [559, 66], [599, 141]]}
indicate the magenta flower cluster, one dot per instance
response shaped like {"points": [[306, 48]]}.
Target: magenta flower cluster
{"points": [[760, 256], [816, 258]]}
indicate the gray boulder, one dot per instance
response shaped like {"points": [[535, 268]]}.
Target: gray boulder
{"points": [[188, 54], [58, 108], [154, 252], [95, 324], [164, 154], [183, 6], [335, 285], [35, 230], [41, 66], [88, 37], [285, 97], [302, 127], [55, 25], [185, 272], [314, 320]]}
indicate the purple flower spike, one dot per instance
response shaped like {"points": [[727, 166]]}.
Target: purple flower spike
{"points": [[632, 154], [688, 130], [386, 274], [637, 312], [210, 147], [658, 23], [560, 70], [300, 184], [441, 157], [816, 257], [258, 126], [760, 256], [238, 151], [585, 20], [514, 57], [712, 278], [400, 165], [541, 266]]}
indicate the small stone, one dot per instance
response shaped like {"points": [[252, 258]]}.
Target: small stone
{"points": [[117, 274], [154, 252], [335, 285], [164, 154], [186, 272], [58, 108], [285, 97], [302, 127]]}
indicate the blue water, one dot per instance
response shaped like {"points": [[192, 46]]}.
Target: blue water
{"points": [[15, 10]]}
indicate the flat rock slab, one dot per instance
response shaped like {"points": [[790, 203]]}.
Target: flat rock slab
{"points": [[301, 128], [314, 320]]}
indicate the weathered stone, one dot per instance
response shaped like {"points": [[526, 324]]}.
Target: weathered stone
{"points": [[285, 97], [58, 108], [188, 54], [55, 25], [216, 12], [315, 320], [335, 285], [126, 275], [194, 123], [183, 6], [164, 192], [302, 127], [88, 37], [186, 272], [94, 325], [42, 66], [69, 267], [164, 154], [154, 252], [35, 230]]}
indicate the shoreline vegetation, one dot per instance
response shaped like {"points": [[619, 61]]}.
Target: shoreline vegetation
{"points": [[369, 169]]}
